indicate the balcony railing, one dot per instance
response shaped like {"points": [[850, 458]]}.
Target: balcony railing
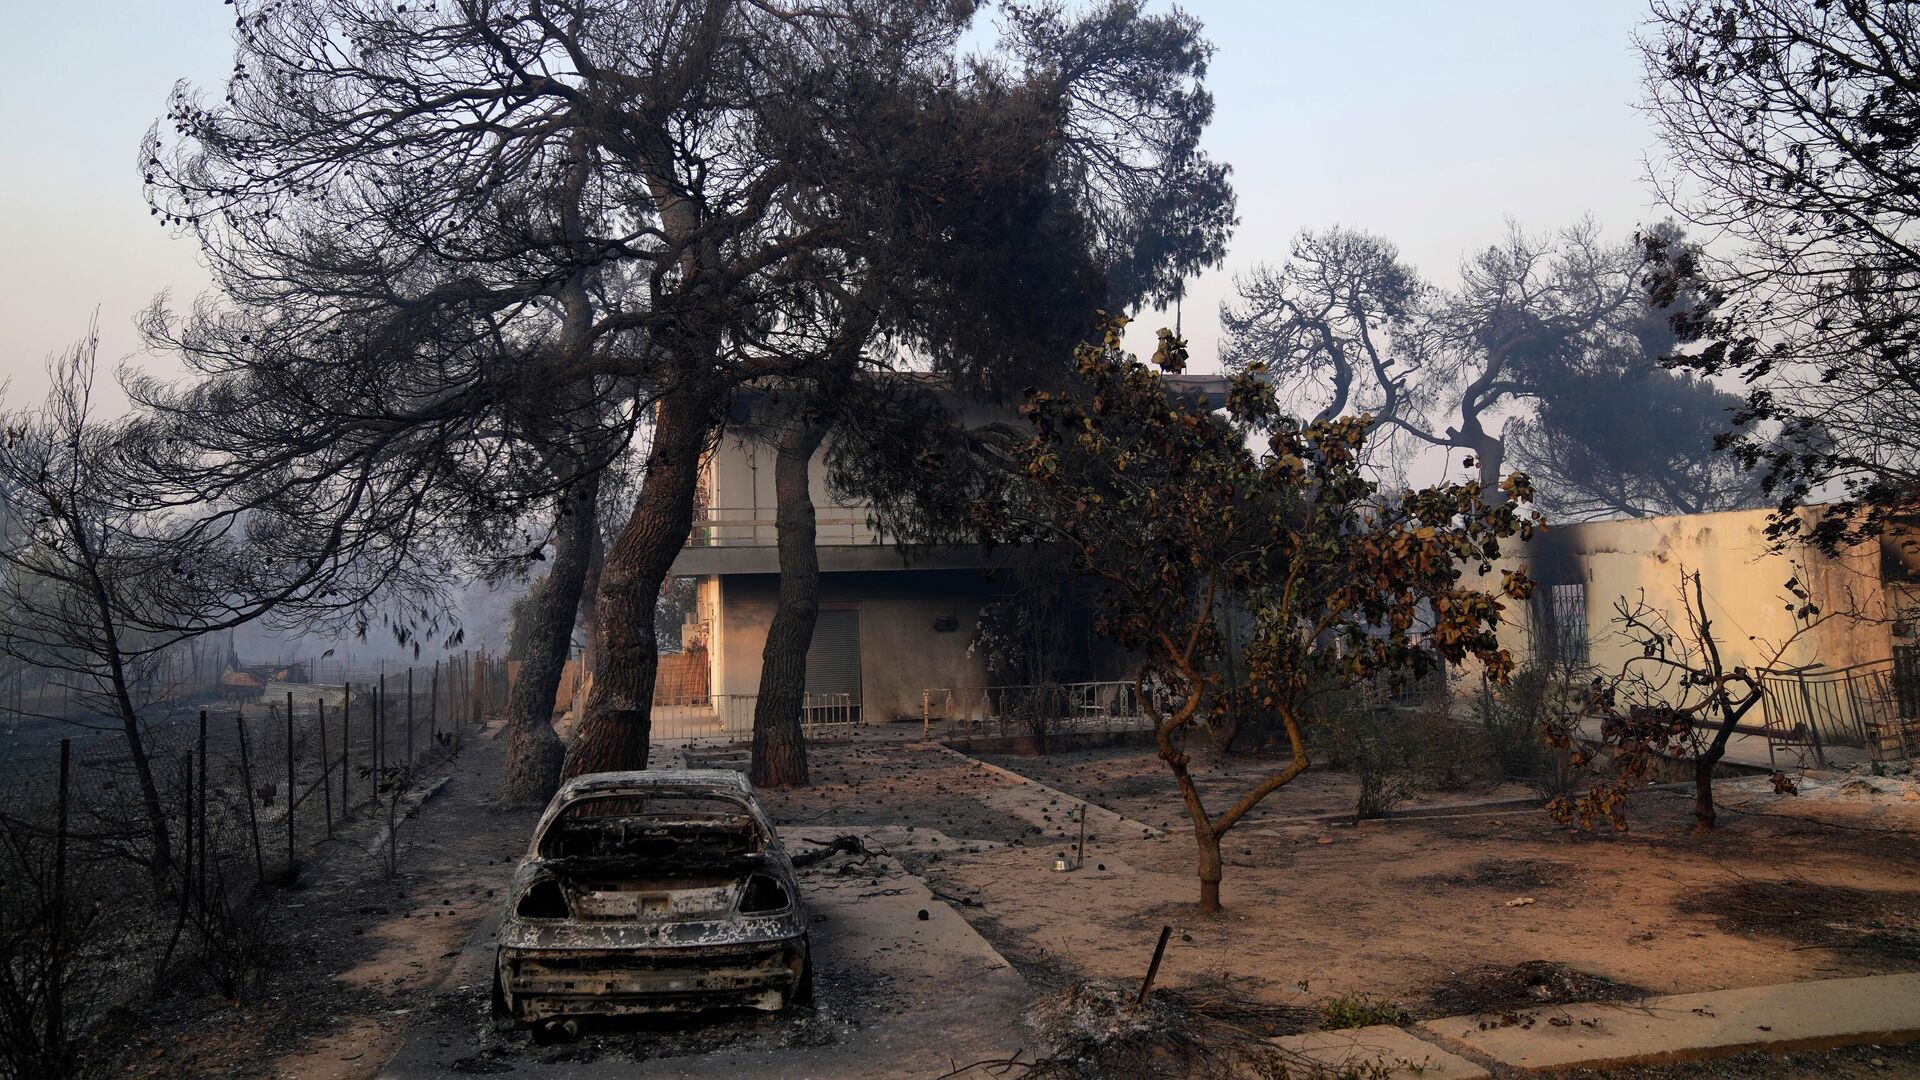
{"points": [[757, 527]]}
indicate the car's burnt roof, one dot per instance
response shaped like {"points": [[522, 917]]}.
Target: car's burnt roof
{"points": [[717, 781]]}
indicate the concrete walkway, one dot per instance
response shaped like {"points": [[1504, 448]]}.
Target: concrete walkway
{"points": [[1684, 1027]]}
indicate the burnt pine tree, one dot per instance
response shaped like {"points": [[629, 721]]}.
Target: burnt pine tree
{"points": [[1793, 128], [535, 754], [1615, 434], [603, 192], [1349, 328], [385, 460], [1170, 508], [993, 205]]}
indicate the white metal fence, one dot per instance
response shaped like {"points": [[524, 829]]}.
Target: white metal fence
{"points": [[729, 718], [1039, 709]]}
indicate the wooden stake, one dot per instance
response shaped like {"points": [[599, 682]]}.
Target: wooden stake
{"points": [[1153, 969]]}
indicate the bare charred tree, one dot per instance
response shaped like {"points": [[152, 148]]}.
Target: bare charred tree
{"points": [[1792, 127], [81, 576], [1678, 699], [1550, 353], [1325, 324], [1616, 434]]}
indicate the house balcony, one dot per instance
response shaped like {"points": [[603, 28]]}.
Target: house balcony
{"points": [[834, 526]]}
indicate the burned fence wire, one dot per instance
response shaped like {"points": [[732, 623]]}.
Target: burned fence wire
{"points": [[249, 790]]}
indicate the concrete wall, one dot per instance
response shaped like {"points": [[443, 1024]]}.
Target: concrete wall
{"points": [[1745, 585], [901, 654]]}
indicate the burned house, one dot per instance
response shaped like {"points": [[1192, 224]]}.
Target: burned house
{"points": [[1838, 677]]}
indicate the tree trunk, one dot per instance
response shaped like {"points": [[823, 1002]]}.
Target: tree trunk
{"points": [[535, 753], [589, 601], [1209, 845], [618, 725], [1206, 841], [779, 745], [1490, 453], [157, 831], [108, 629], [1703, 816]]}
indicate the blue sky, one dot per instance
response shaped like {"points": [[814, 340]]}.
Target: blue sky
{"points": [[1428, 123]]}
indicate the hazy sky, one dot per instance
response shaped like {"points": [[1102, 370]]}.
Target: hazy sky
{"points": [[1428, 123]]}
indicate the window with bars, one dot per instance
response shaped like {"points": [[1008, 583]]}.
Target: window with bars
{"points": [[1560, 624]]}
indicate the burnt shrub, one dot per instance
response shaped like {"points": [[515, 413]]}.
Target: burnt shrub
{"points": [[1525, 724]]}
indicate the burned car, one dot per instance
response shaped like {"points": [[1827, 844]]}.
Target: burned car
{"points": [[647, 892]]}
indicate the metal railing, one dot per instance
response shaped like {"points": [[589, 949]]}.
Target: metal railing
{"points": [[721, 526], [1836, 706], [1039, 709], [729, 718]]}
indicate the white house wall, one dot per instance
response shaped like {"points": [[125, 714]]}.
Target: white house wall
{"points": [[1745, 583], [901, 651]]}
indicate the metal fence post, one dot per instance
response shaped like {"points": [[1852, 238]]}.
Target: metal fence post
{"points": [[290, 792], [202, 812], [346, 742], [326, 764], [380, 730], [56, 1018], [1813, 724]]}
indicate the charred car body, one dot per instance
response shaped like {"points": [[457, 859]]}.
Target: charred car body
{"points": [[646, 892]]}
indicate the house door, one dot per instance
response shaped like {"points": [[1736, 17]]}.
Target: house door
{"points": [[833, 660]]}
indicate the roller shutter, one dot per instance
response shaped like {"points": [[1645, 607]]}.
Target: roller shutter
{"points": [[833, 660]]}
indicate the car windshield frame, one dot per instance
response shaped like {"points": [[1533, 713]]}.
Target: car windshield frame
{"points": [[736, 806]]}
